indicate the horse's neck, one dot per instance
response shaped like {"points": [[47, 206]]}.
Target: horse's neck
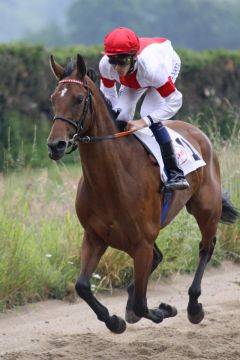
{"points": [[102, 160]]}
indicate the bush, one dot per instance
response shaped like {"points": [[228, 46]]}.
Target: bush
{"points": [[208, 81]]}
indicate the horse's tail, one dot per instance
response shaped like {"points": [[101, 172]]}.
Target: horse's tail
{"points": [[229, 213]]}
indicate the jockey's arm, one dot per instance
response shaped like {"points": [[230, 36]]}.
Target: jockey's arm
{"points": [[109, 89], [107, 82], [167, 110]]}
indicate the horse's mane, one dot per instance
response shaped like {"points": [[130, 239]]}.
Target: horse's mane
{"points": [[68, 68], [108, 103], [71, 66]]}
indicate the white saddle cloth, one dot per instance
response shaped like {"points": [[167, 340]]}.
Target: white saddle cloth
{"points": [[188, 157]]}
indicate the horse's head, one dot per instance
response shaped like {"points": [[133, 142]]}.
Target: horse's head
{"points": [[72, 106]]}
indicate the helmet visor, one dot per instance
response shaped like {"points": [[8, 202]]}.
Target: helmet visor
{"points": [[121, 60]]}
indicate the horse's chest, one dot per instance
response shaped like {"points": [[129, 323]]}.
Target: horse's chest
{"points": [[117, 233]]}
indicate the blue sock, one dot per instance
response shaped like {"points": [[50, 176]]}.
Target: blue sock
{"points": [[160, 132]]}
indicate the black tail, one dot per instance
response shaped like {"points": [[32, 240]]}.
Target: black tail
{"points": [[229, 213]]}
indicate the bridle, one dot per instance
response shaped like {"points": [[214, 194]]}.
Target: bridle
{"points": [[80, 125]]}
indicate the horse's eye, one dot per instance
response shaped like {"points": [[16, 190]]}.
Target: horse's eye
{"points": [[79, 99]]}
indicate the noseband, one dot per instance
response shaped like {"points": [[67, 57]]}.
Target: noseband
{"points": [[81, 124]]}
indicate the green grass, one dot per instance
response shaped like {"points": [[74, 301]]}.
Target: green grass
{"points": [[40, 236]]}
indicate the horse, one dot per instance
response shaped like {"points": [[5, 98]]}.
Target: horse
{"points": [[119, 197]]}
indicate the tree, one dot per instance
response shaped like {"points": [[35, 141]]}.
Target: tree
{"points": [[196, 24]]}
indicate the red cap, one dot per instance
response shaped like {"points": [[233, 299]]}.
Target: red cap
{"points": [[121, 41]]}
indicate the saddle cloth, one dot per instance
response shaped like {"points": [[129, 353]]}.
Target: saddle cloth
{"points": [[188, 157]]}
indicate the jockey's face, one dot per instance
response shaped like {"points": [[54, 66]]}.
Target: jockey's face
{"points": [[121, 63], [122, 70]]}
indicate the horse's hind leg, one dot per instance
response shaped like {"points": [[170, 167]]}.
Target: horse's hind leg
{"points": [[195, 309], [92, 250], [207, 216]]}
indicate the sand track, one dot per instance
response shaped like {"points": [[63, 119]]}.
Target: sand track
{"points": [[59, 330]]}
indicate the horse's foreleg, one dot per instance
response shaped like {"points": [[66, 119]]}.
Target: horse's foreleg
{"points": [[92, 250], [143, 258], [130, 315], [143, 263], [195, 309]]}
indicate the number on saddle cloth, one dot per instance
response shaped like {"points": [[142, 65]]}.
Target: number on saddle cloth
{"points": [[194, 155]]}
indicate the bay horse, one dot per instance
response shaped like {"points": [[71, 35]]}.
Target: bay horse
{"points": [[119, 202]]}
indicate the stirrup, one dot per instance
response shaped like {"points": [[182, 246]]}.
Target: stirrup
{"points": [[176, 184]]}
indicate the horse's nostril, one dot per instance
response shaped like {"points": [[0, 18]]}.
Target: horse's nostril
{"points": [[61, 145], [57, 146]]}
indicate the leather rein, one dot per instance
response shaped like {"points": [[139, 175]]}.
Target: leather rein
{"points": [[81, 124]]}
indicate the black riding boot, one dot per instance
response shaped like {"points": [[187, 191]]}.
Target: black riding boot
{"points": [[176, 179]]}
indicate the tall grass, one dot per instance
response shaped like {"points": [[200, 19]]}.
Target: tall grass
{"points": [[40, 236]]}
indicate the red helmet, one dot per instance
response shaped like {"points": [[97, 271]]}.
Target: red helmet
{"points": [[121, 41]]}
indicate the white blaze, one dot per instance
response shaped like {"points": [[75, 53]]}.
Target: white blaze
{"points": [[63, 92]]}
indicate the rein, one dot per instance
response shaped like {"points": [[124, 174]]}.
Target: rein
{"points": [[80, 125], [88, 139]]}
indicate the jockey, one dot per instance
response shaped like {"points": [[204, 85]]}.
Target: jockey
{"points": [[146, 66]]}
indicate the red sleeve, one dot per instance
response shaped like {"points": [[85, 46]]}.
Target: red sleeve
{"points": [[107, 83], [167, 88]]}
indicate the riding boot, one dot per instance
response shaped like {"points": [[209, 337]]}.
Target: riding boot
{"points": [[176, 179]]}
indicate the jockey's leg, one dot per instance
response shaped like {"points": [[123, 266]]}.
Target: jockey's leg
{"points": [[176, 179]]}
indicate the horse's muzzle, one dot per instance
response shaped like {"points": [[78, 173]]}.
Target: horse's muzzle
{"points": [[56, 149]]}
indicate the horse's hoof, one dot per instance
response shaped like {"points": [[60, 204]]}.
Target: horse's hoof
{"points": [[130, 317], [168, 310], [195, 317], [156, 315], [116, 324]]}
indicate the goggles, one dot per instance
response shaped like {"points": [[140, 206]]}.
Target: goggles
{"points": [[120, 60]]}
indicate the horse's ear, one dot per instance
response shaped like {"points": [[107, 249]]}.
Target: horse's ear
{"points": [[57, 69], [81, 67]]}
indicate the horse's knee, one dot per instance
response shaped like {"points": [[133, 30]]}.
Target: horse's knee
{"points": [[82, 289]]}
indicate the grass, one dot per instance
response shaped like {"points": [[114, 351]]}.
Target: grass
{"points": [[41, 237]]}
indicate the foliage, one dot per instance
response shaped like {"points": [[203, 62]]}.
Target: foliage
{"points": [[28, 18], [185, 22], [39, 248], [221, 125], [208, 81], [195, 24]]}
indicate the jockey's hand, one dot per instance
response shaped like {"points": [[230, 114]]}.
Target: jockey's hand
{"points": [[135, 125]]}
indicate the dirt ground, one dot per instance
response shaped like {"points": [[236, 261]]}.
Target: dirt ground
{"points": [[60, 330]]}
